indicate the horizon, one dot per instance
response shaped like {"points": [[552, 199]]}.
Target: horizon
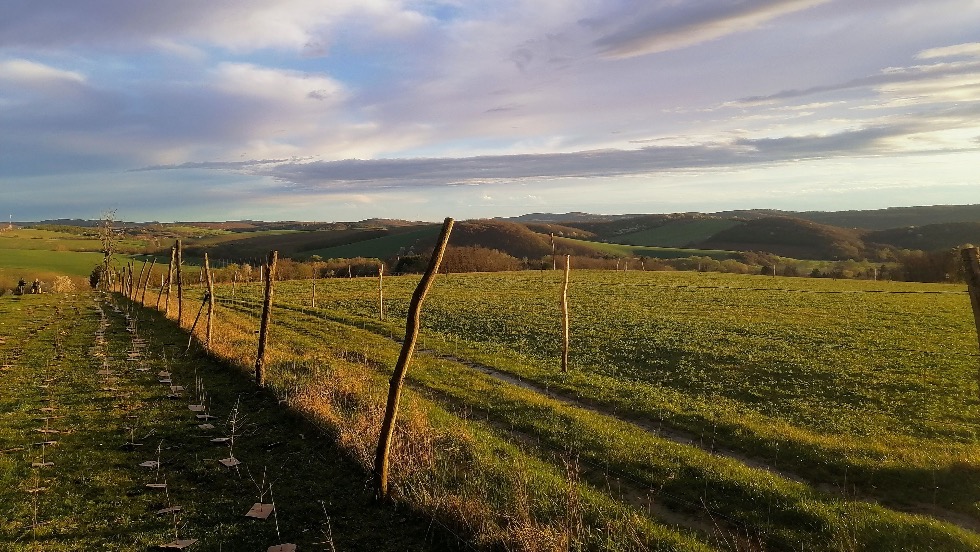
{"points": [[419, 109], [529, 214]]}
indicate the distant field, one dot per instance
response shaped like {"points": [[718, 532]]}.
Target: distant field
{"points": [[27, 238], [677, 234], [383, 247], [23, 262], [621, 250]]}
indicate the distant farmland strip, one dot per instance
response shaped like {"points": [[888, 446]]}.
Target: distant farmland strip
{"points": [[621, 250]]}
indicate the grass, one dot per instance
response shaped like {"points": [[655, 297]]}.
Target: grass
{"points": [[94, 495], [781, 512], [780, 376], [815, 417]]}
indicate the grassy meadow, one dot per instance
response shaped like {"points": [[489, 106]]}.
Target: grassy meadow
{"points": [[702, 411], [793, 412]]}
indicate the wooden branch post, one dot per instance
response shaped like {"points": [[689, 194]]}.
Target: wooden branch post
{"points": [[270, 270], [210, 299], [313, 293], [412, 324], [180, 287], [564, 315], [971, 265], [146, 282], [170, 272], [139, 281], [381, 291]]}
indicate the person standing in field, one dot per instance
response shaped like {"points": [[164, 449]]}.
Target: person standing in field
{"points": [[36, 286]]}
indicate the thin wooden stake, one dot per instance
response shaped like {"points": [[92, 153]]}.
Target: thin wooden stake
{"points": [[139, 281], [180, 286], [170, 272], [971, 265], [210, 300], [412, 324], [146, 282], [381, 292], [270, 270], [564, 315]]}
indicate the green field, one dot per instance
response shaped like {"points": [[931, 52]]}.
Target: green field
{"points": [[48, 240], [381, 248], [702, 411], [809, 413], [26, 262], [677, 234], [622, 250]]}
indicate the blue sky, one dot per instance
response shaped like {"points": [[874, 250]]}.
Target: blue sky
{"points": [[352, 109]]}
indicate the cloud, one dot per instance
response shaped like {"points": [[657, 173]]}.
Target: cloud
{"points": [[969, 49], [660, 30], [886, 79], [24, 71], [398, 173], [242, 25]]}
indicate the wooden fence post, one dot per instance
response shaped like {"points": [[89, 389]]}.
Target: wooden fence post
{"points": [[412, 324], [139, 281], [210, 292], [180, 287], [170, 272], [971, 265], [381, 292], [146, 282], [313, 293], [564, 315], [270, 270]]}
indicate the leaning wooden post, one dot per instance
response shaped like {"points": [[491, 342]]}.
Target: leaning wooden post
{"points": [[404, 358], [146, 282], [270, 270], [139, 281], [381, 292], [564, 315], [180, 286], [971, 264], [170, 273], [210, 298]]}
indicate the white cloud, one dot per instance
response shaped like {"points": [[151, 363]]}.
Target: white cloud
{"points": [[24, 71], [969, 49]]}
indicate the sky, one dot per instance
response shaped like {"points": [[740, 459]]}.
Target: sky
{"points": [[181, 110]]}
